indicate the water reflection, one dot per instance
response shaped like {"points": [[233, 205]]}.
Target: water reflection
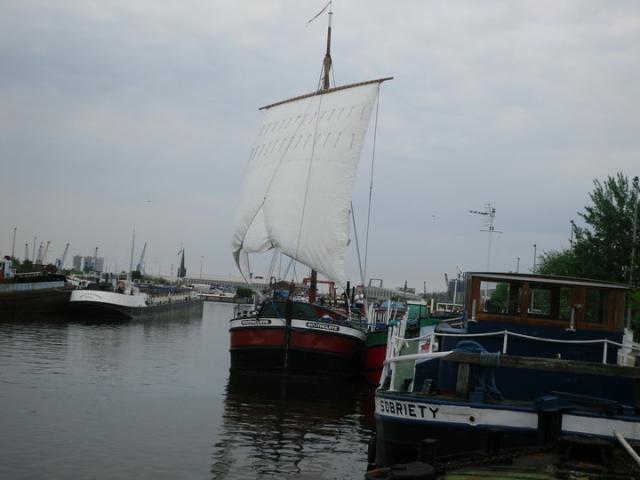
{"points": [[154, 399], [42, 349], [291, 427], [88, 400]]}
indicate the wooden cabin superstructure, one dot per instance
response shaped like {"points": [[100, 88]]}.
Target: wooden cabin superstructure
{"points": [[570, 303]]}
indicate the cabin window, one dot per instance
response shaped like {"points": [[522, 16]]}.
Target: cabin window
{"points": [[539, 301], [550, 302], [565, 303], [501, 297], [595, 308]]}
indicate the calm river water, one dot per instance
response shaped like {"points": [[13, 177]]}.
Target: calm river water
{"points": [[155, 400]]}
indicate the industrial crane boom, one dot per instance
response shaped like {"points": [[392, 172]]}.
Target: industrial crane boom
{"points": [[140, 266], [60, 261]]}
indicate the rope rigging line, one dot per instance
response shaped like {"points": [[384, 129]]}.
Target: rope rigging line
{"points": [[373, 158], [286, 271], [273, 262], [294, 276], [320, 79], [308, 180], [355, 233]]}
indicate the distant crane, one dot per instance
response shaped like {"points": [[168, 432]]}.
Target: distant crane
{"points": [[44, 253], [60, 261], [460, 273], [182, 271], [38, 257], [140, 266], [454, 298], [13, 247]]}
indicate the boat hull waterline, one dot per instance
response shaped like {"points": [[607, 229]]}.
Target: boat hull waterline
{"points": [[122, 306], [304, 346], [38, 301], [467, 426]]}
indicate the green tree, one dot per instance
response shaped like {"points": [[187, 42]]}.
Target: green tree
{"points": [[499, 297], [602, 248], [243, 292], [26, 266], [557, 262]]}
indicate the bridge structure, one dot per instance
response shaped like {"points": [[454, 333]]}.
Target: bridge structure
{"points": [[372, 292]]}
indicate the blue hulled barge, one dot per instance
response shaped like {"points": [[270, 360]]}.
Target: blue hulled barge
{"points": [[538, 359]]}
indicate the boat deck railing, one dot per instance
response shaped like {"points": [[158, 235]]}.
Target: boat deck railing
{"points": [[466, 360], [23, 287], [175, 297], [630, 348]]}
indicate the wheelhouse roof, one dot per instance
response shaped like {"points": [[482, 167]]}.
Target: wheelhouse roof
{"points": [[549, 279]]}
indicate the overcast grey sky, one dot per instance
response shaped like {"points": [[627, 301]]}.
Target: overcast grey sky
{"points": [[141, 114]]}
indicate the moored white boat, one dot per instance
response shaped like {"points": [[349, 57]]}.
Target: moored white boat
{"points": [[132, 303]]}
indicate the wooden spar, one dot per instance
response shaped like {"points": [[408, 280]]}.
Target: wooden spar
{"points": [[322, 92]]}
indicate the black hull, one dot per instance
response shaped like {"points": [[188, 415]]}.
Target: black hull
{"points": [[106, 311], [399, 442], [298, 361], [20, 305], [271, 358]]}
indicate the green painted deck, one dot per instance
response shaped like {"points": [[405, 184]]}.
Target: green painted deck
{"points": [[377, 338], [498, 473]]}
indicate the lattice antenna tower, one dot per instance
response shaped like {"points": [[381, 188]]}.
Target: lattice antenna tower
{"points": [[490, 213]]}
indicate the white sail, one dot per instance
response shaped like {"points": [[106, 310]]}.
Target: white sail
{"points": [[300, 179]]}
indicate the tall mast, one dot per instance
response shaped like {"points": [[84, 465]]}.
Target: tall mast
{"points": [[133, 242], [326, 63], [326, 68]]}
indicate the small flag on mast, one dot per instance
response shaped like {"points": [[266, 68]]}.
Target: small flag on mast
{"points": [[319, 13]]}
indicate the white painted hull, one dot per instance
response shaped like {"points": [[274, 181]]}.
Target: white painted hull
{"points": [[98, 297], [118, 305], [459, 426], [458, 415]]}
